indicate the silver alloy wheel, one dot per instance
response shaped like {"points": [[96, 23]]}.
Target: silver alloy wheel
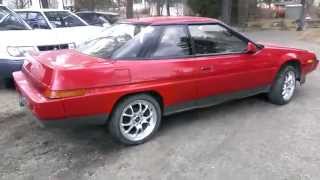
{"points": [[289, 85], [138, 120]]}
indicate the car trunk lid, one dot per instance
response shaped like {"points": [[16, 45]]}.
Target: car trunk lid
{"points": [[68, 70]]}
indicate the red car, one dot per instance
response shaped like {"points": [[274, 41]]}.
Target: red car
{"points": [[147, 68]]}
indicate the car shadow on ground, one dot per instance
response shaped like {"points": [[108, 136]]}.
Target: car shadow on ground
{"points": [[99, 137]]}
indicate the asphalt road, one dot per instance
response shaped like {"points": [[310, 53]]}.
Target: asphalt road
{"points": [[249, 139]]}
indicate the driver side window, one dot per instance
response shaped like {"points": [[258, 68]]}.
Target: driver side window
{"points": [[215, 39]]}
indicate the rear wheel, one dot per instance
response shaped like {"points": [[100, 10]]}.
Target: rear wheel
{"points": [[284, 87], [135, 119]]}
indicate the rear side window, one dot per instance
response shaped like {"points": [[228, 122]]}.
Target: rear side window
{"points": [[94, 19], [215, 39], [35, 19], [174, 42], [62, 19]]}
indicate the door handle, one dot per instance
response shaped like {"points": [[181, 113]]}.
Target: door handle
{"points": [[206, 68]]}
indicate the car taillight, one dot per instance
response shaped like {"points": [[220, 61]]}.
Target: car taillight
{"points": [[64, 93]]}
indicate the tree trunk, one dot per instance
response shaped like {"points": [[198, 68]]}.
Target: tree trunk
{"points": [[226, 11], [269, 3], [44, 3], [243, 12], [158, 7], [252, 9], [129, 9], [84, 5], [168, 7], [302, 16]]}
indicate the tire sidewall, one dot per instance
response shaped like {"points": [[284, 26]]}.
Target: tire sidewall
{"points": [[114, 123], [275, 94]]}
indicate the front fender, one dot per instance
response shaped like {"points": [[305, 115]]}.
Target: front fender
{"points": [[287, 58]]}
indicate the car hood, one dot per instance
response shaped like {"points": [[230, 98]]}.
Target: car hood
{"points": [[276, 46]]}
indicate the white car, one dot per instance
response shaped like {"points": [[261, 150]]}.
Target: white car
{"points": [[65, 25], [17, 38]]}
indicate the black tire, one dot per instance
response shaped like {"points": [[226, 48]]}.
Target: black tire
{"points": [[114, 121], [275, 95]]}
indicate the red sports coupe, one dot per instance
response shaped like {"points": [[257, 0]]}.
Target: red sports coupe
{"points": [[143, 69]]}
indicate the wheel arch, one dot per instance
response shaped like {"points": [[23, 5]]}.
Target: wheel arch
{"points": [[295, 63], [156, 95]]}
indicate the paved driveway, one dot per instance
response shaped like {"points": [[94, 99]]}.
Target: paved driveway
{"points": [[248, 139]]}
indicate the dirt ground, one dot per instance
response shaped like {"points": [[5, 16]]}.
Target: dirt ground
{"points": [[311, 35], [248, 139]]}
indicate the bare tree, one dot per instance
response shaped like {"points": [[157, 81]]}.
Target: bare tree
{"points": [[20, 4], [129, 8]]}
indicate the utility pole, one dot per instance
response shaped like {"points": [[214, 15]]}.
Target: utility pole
{"points": [[302, 16], [226, 11]]}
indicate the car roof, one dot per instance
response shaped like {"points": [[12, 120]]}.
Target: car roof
{"points": [[162, 20], [39, 10]]}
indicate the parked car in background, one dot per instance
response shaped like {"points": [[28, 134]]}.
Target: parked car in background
{"points": [[51, 30], [99, 18], [131, 78]]}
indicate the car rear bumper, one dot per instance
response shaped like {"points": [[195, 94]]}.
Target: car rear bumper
{"points": [[48, 112], [7, 67]]}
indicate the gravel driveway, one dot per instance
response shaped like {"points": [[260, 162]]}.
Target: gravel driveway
{"points": [[248, 139]]}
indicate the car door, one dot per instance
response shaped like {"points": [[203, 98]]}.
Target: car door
{"points": [[224, 65]]}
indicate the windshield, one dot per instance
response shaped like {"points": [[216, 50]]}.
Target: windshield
{"points": [[10, 21], [62, 19], [111, 40]]}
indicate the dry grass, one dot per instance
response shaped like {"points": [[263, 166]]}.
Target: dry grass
{"points": [[267, 24]]}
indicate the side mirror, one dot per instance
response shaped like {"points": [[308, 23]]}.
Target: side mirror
{"points": [[251, 48]]}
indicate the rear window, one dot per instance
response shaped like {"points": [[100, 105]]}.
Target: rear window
{"points": [[114, 42]]}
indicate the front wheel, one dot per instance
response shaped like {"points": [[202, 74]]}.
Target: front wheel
{"points": [[135, 119], [284, 87]]}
